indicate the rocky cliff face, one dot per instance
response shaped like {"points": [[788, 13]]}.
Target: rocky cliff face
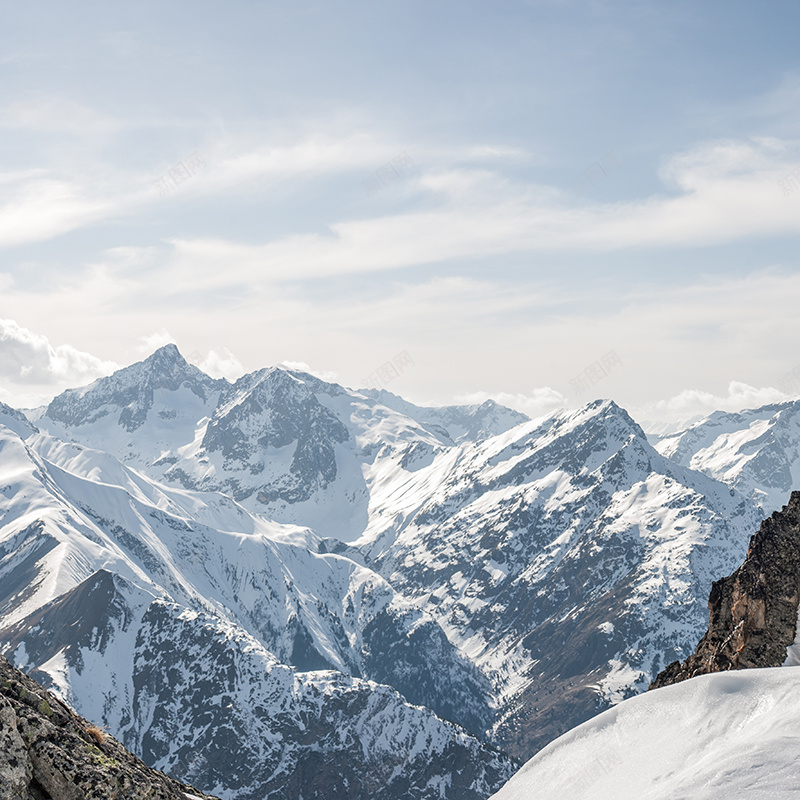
{"points": [[753, 612], [48, 752]]}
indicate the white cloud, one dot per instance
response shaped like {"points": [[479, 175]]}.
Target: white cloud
{"points": [[717, 192], [348, 145], [311, 155], [301, 366], [44, 207], [220, 364], [538, 403], [153, 341], [29, 364], [43, 113], [692, 404]]}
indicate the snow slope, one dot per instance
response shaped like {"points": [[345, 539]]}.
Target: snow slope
{"points": [[731, 734]]}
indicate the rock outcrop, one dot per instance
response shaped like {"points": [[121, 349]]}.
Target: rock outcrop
{"points": [[48, 752], [753, 612]]}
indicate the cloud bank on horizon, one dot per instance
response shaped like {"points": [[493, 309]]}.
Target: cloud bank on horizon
{"points": [[507, 193], [33, 371]]}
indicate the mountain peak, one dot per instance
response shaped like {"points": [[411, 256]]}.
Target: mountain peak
{"points": [[608, 409], [168, 361], [169, 353], [131, 389]]}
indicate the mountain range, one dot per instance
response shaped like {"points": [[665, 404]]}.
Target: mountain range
{"points": [[282, 587]]}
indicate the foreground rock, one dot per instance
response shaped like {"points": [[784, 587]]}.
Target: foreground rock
{"points": [[48, 751], [753, 612]]}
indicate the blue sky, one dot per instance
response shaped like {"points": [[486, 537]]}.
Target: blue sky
{"points": [[570, 180]]}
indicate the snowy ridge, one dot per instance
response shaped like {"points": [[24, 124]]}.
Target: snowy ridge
{"points": [[15, 421], [454, 424], [757, 451]]}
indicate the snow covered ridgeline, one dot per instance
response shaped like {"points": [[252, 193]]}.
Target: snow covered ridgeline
{"points": [[730, 734], [511, 536], [756, 451]]}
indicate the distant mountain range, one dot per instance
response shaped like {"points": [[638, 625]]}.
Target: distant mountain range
{"points": [[278, 585]]}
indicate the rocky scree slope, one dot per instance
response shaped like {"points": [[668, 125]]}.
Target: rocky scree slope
{"points": [[48, 752], [753, 612]]}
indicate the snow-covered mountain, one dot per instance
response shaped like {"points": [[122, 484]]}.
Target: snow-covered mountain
{"points": [[283, 443], [216, 651], [755, 451], [566, 557], [513, 576]]}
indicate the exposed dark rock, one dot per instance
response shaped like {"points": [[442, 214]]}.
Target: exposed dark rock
{"points": [[753, 612], [48, 752]]}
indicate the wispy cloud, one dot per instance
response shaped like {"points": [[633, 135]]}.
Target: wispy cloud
{"points": [[716, 193], [469, 202], [692, 402], [153, 341], [220, 363], [40, 208], [55, 114]]}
